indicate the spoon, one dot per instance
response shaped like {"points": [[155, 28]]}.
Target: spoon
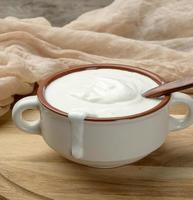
{"points": [[169, 88]]}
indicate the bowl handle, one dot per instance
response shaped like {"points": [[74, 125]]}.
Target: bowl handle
{"points": [[26, 103], [175, 123]]}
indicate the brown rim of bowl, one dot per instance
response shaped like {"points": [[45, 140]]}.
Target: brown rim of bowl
{"points": [[44, 83]]}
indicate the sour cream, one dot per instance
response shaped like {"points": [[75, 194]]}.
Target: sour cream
{"points": [[100, 93]]}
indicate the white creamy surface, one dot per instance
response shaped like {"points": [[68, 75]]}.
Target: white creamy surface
{"points": [[101, 93], [77, 130], [98, 93]]}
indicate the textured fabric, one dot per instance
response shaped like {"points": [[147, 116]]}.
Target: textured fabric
{"points": [[151, 34]]}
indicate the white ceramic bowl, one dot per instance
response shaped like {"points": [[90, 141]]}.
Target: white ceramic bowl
{"points": [[107, 142]]}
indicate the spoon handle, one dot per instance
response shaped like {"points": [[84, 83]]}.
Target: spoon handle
{"points": [[169, 88]]}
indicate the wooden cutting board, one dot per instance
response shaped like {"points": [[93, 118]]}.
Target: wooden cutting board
{"points": [[29, 169]]}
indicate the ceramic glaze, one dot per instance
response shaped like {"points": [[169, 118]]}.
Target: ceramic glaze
{"points": [[98, 93], [101, 93], [100, 142]]}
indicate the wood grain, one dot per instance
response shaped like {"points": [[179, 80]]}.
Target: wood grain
{"points": [[29, 169]]}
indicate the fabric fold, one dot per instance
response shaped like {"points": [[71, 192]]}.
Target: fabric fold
{"points": [[151, 34]]}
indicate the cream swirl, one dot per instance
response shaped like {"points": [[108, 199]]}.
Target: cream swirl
{"points": [[107, 90]]}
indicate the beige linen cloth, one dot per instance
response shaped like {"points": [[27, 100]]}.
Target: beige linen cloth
{"points": [[153, 34]]}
